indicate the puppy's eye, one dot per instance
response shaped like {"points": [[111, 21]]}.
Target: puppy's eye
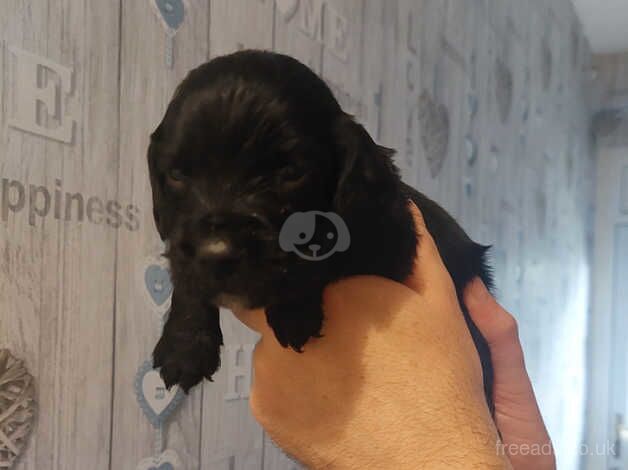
{"points": [[292, 177], [176, 178], [291, 173], [176, 175]]}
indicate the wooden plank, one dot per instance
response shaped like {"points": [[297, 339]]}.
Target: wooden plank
{"points": [[505, 161], [232, 439], [372, 67], [59, 277], [60, 272], [21, 287], [407, 68], [442, 77], [476, 144], [430, 23], [343, 51], [147, 85], [298, 31], [240, 24], [391, 96], [450, 91]]}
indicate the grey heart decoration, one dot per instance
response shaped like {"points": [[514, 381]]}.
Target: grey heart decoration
{"points": [[471, 150], [468, 186], [164, 466], [503, 89], [156, 401], [172, 12], [158, 283], [472, 102], [167, 460], [434, 123], [288, 8]]}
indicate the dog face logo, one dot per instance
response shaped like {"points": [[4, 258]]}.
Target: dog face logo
{"points": [[314, 235]]}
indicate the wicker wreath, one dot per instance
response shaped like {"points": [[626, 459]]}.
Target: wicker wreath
{"points": [[17, 408]]}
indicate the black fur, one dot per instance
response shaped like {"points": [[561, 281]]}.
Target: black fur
{"points": [[247, 140]]}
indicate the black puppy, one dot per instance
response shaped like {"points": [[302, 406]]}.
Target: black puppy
{"points": [[251, 143]]}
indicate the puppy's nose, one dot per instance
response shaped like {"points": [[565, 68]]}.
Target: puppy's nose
{"points": [[314, 247]]}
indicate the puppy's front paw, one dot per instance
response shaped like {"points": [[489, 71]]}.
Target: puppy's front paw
{"points": [[185, 357]]}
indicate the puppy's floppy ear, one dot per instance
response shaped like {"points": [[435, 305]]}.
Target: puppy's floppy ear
{"points": [[365, 169], [156, 184]]}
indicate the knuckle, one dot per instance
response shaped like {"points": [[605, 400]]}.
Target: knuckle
{"points": [[509, 325]]}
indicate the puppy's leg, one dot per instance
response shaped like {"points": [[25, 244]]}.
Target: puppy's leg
{"points": [[297, 321], [189, 347]]}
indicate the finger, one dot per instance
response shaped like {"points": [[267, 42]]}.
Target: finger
{"points": [[500, 330], [515, 401], [429, 268], [254, 319], [498, 327]]}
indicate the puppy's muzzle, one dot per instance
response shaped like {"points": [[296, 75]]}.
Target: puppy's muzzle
{"points": [[222, 238]]}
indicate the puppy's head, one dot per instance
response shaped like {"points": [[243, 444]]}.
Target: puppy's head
{"points": [[248, 140]]}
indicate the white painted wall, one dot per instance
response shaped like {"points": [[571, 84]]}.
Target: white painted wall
{"points": [[605, 23]]}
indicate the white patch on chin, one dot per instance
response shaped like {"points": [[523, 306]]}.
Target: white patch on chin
{"points": [[231, 302], [213, 247]]}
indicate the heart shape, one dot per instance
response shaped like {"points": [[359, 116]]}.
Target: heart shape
{"points": [[167, 460], [503, 89], [155, 392], [471, 150], [158, 283], [17, 407], [156, 401], [164, 466], [287, 8], [434, 122], [172, 13], [472, 103]]}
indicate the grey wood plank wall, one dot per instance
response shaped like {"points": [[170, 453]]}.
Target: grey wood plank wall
{"points": [[507, 80]]}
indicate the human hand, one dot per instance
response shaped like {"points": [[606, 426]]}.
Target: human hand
{"points": [[525, 439], [395, 381]]}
